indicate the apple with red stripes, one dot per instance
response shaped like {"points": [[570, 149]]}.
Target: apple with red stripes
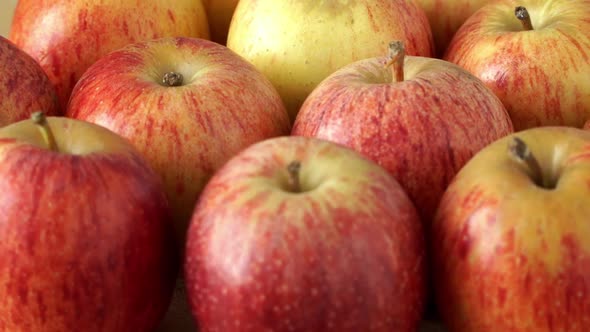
{"points": [[511, 238], [86, 238], [187, 104], [302, 234]]}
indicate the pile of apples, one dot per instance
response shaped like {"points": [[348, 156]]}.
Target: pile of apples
{"points": [[279, 165]]}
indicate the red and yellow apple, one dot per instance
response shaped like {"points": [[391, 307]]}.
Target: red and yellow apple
{"points": [[24, 86], [187, 105], [297, 44], [66, 37], [301, 234], [420, 118], [536, 59], [511, 239], [86, 241]]}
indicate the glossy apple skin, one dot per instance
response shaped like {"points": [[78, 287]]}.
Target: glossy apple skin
{"points": [[186, 132], [422, 130], [445, 18], [219, 15], [24, 86], [512, 256], [304, 41], [541, 76], [347, 254], [86, 239], [66, 37]]}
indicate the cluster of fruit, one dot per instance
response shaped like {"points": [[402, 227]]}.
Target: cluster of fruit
{"points": [[310, 165]]}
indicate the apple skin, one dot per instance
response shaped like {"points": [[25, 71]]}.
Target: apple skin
{"points": [[66, 37], [219, 15], [24, 86], [541, 76], [185, 132], [304, 41], [86, 239], [445, 18], [512, 256], [422, 130], [345, 254]]}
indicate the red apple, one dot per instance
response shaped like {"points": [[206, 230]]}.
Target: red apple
{"points": [[301, 234], [421, 119], [66, 37], [511, 239], [187, 104], [538, 65], [85, 236], [24, 87], [297, 44]]}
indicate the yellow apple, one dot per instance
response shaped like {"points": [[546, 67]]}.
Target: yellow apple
{"points": [[446, 16], [219, 14], [296, 44]]}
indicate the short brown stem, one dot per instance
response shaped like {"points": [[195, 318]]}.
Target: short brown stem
{"points": [[395, 59], [41, 121], [293, 182], [522, 14], [172, 79], [520, 152]]}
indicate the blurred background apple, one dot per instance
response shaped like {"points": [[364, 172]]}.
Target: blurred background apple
{"points": [[6, 11]]}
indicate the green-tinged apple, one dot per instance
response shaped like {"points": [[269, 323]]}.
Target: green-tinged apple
{"points": [[301, 234], [219, 15], [511, 238], [66, 37], [86, 239], [298, 43], [420, 118], [446, 16], [534, 55], [187, 104], [24, 86]]}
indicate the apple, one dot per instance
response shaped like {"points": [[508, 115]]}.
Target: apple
{"points": [[66, 37], [24, 87], [535, 56], [187, 104], [302, 234], [86, 240], [219, 15], [511, 238], [445, 18], [419, 118], [297, 44]]}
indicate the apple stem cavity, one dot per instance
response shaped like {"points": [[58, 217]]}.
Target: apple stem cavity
{"points": [[172, 78], [521, 152], [395, 59], [522, 14], [293, 182], [41, 121]]}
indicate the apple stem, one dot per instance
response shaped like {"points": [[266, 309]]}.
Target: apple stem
{"points": [[41, 121], [520, 151], [395, 59], [523, 15], [293, 180], [172, 79]]}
